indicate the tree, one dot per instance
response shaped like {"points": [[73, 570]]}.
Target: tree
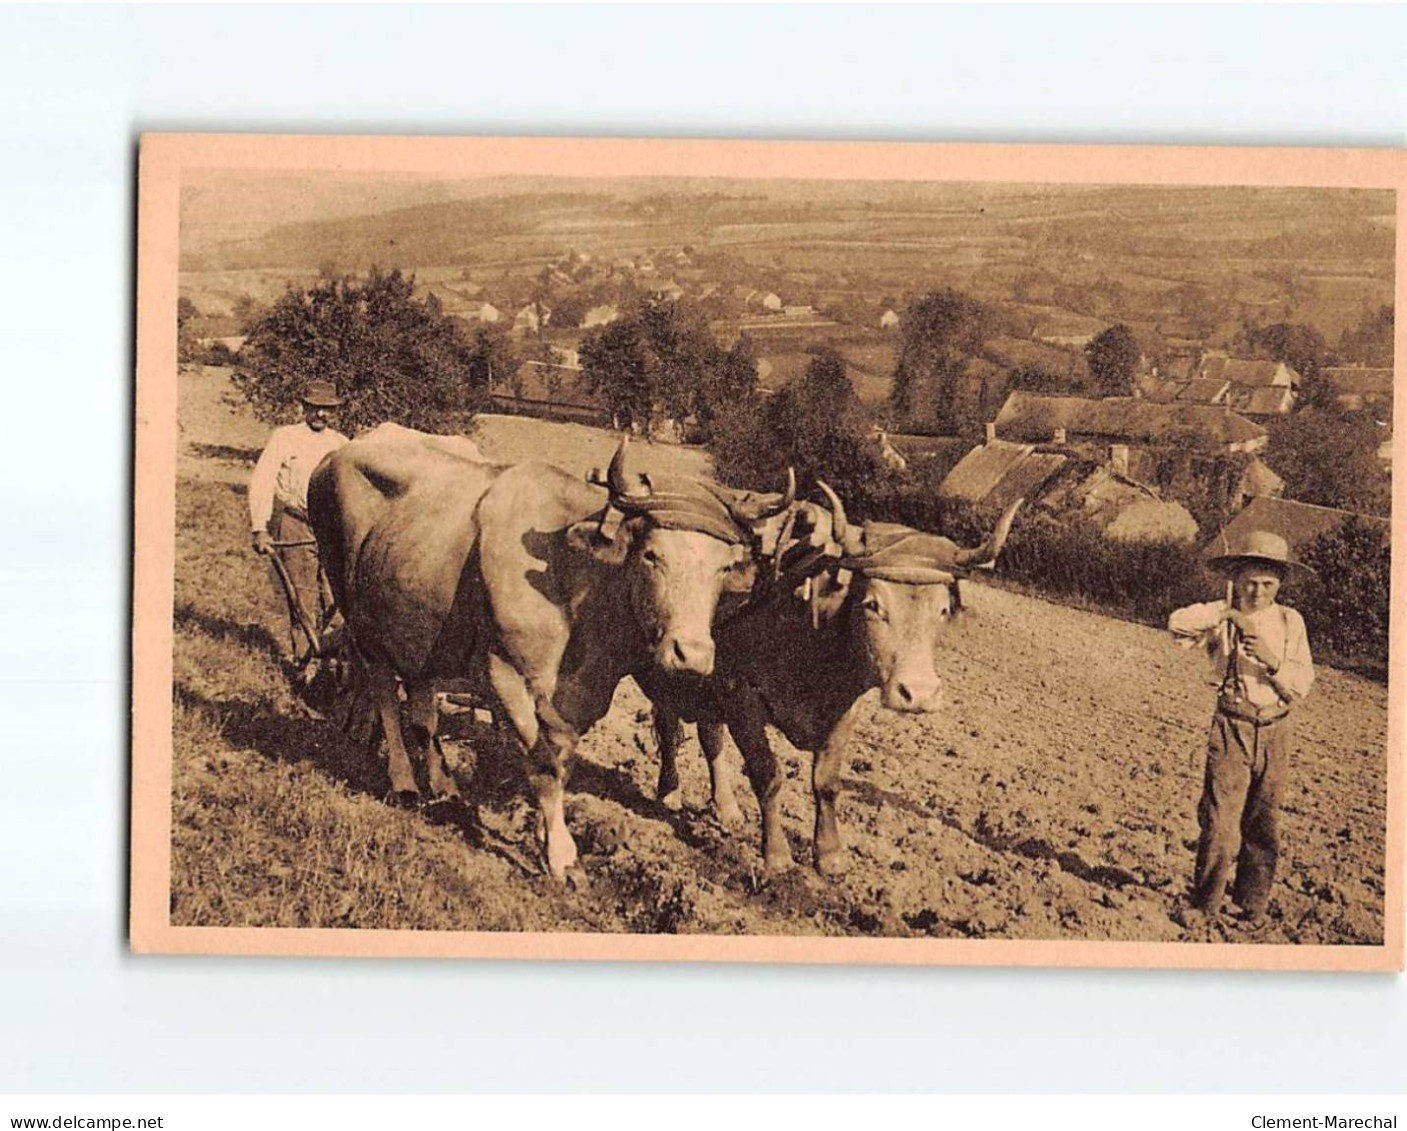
{"points": [[815, 424], [1303, 349], [731, 384], [186, 312], [492, 362], [1038, 379], [390, 355], [1113, 360], [1371, 341], [660, 360], [614, 364], [1346, 606], [570, 310], [1328, 456], [941, 332]]}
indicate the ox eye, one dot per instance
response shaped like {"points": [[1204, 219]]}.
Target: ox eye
{"points": [[872, 606], [651, 558]]}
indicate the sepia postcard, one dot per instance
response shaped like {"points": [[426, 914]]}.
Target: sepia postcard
{"points": [[838, 552]]}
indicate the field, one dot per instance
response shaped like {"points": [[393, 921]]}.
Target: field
{"points": [[1052, 798]]}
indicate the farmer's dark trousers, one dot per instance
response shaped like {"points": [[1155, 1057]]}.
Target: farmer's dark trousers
{"points": [[1247, 766], [302, 565]]}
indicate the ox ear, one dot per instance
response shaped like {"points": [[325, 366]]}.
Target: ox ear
{"points": [[742, 571], [586, 537]]}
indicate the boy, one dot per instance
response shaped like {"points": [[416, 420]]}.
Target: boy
{"points": [[1259, 654]]}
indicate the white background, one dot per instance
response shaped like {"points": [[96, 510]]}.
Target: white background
{"points": [[76, 86]]}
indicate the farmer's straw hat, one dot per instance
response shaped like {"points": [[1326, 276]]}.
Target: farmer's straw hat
{"points": [[1256, 547], [321, 394]]}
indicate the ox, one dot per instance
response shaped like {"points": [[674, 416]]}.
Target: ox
{"points": [[800, 657], [541, 590]]}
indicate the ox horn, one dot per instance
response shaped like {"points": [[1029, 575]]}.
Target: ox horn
{"points": [[750, 512], [987, 553], [839, 523], [615, 478]]}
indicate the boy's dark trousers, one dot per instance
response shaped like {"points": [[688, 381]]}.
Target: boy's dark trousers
{"points": [[1247, 765]]}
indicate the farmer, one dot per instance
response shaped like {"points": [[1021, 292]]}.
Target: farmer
{"points": [[278, 507], [1259, 656]]}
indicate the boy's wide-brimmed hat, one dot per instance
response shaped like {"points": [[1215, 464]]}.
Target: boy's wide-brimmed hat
{"points": [[1257, 547], [321, 394]]}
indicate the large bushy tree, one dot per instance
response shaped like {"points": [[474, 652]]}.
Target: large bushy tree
{"points": [[814, 424], [660, 361], [1328, 456], [1113, 360], [942, 331], [391, 355]]}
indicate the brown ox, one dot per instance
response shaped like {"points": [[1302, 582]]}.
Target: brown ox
{"points": [[802, 659], [543, 590]]}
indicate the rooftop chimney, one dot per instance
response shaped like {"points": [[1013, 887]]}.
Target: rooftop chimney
{"points": [[1059, 437], [991, 431]]}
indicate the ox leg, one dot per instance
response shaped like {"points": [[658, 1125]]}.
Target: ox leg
{"points": [[383, 693], [550, 744], [760, 763], [831, 857], [668, 729], [725, 804], [549, 765], [425, 721]]}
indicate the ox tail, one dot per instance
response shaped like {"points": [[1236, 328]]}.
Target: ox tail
{"points": [[987, 553]]}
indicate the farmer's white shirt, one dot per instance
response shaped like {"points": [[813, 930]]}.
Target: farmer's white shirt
{"points": [[1282, 630], [283, 470]]}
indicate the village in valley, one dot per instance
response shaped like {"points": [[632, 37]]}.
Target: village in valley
{"points": [[1224, 312]]}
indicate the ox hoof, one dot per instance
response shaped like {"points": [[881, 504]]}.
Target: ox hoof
{"points": [[834, 863], [561, 862], [777, 861], [403, 798], [446, 792], [673, 800], [729, 815]]}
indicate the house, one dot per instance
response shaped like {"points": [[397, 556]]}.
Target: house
{"points": [[1252, 374], [1064, 484], [602, 315], [771, 302], [1204, 390], [891, 455], [1298, 523], [528, 321], [1038, 418], [668, 290], [1181, 368], [1258, 480], [888, 320], [1000, 472], [1268, 400], [485, 312], [798, 310], [1124, 508], [1158, 390], [231, 344]]}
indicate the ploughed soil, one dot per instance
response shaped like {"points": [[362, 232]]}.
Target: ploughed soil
{"points": [[1053, 797]]}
